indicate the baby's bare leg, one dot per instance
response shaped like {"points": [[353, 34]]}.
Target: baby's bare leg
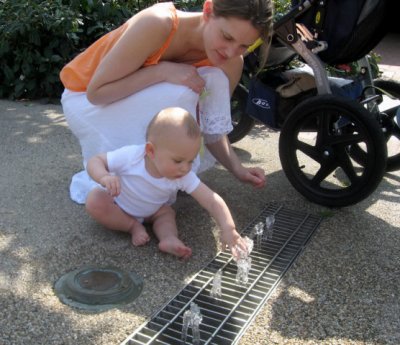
{"points": [[101, 206], [164, 227]]}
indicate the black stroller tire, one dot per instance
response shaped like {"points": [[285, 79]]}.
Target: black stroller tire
{"points": [[319, 165], [388, 125], [241, 122]]}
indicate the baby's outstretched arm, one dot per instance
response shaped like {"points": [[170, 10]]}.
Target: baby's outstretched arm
{"points": [[97, 168], [218, 209]]}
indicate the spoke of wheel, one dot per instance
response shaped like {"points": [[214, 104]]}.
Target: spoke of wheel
{"points": [[324, 171], [346, 139], [395, 132], [308, 150], [323, 129], [391, 112], [347, 166]]}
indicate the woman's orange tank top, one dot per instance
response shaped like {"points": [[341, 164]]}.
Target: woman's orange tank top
{"points": [[77, 74]]}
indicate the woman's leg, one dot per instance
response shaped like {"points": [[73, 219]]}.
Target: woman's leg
{"points": [[164, 227], [105, 128], [215, 111], [101, 206]]}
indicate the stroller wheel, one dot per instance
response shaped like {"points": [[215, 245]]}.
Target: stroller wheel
{"points": [[388, 122], [313, 149], [242, 123]]}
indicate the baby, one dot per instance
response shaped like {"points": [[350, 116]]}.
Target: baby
{"points": [[141, 181]]}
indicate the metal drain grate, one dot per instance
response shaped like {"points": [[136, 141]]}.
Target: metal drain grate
{"points": [[226, 319]]}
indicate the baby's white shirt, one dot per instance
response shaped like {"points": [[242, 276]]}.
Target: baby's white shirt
{"points": [[142, 194]]}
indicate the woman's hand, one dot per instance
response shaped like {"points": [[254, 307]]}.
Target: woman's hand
{"points": [[222, 150], [182, 74], [254, 176]]}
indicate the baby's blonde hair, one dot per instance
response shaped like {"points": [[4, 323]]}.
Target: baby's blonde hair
{"points": [[172, 119]]}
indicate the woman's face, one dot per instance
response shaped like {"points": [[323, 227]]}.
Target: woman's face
{"points": [[226, 38]]}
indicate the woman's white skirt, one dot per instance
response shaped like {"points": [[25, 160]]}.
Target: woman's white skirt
{"points": [[105, 128]]}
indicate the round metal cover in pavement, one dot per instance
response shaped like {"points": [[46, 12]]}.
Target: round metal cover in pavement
{"points": [[98, 289]]}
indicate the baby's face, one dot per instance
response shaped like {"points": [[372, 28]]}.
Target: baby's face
{"points": [[174, 159]]}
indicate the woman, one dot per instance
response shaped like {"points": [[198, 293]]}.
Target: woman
{"points": [[157, 60]]}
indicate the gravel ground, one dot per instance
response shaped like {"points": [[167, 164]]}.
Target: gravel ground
{"points": [[343, 289]]}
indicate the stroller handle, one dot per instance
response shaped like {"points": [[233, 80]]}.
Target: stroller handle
{"points": [[293, 13]]}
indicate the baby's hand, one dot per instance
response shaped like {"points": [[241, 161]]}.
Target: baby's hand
{"points": [[234, 242], [112, 184]]}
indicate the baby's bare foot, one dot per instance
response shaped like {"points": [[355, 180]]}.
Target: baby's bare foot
{"points": [[173, 245], [139, 235]]}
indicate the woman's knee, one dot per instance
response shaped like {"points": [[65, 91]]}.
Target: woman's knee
{"points": [[214, 77]]}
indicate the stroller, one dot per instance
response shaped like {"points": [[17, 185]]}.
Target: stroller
{"points": [[334, 132]]}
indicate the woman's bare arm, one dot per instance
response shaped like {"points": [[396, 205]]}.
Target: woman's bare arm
{"points": [[223, 152], [120, 74], [115, 76]]}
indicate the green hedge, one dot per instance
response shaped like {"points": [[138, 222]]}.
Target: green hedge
{"points": [[38, 37]]}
